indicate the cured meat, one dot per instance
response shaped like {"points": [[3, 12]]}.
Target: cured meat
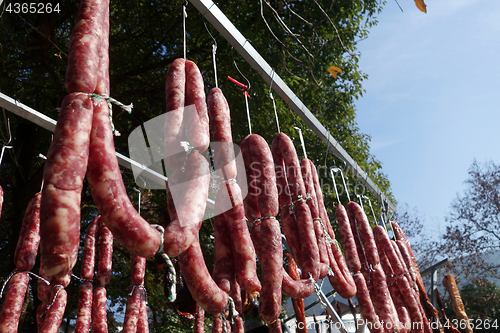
{"points": [[63, 176], [222, 142], [201, 285], [13, 302], [110, 195], [197, 127], [29, 237], [105, 256], [85, 44], [314, 208], [132, 310], [55, 312], [458, 306], [190, 195], [84, 312], [102, 86], [99, 321], [142, 322], [199, 322], [403, 314], [341, 278], [175, 89], [88, 257], [365, 232], [223, 271], [243, 251], [298, 303], [348, 241], [366, 306]]}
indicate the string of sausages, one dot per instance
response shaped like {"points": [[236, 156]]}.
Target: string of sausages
{"points": [[284, 195]]}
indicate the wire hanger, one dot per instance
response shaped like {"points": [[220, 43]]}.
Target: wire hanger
{"points": [[302, 141], [244, 88], [335, 169], [184, 16]]}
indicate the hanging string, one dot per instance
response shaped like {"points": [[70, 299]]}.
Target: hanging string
{"points": [[184, 16], [245, 89], [172, 276], [6, 145], [332, 170], [302, 141], [274, 103], [214, 52]]}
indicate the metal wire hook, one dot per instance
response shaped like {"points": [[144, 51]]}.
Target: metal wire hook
{"points": [[6, 144], [235, 65]]}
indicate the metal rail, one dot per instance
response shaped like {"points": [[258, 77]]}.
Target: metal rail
{"points": [[227, 29]]}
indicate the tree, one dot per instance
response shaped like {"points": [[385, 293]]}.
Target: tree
{"points": [[473, 230], [299, 39]]}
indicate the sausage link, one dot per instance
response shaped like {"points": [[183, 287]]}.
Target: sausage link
{"points": [[321, 204], [238, 326], [289, 226], [84, 312], [142, 322], [271, 261], [314, 208], [102, 86], [190, 198], [348, 240], [365, 232], [197, 127], [174, 128], [63, 176], [88, 257], [235, 294], [110, 195], [99, 320], [223, 271], [40, 314], [222, 141], [366, 306], [400, 279], [308, 245], [55, 312], [274, 327], [298, 303], [250, 202], [29, 237], [399, 304], [199, 322], [297, 289], [263, 163], [13, 303], [382, 300], [201, 285], [84, 45], [103, 274], [132, 310], [245, 267], [341, 279], [295, 180], [357, 242], [43, 289], [137, 270]]}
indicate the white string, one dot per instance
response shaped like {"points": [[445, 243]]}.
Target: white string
{"points": [[184, 15], [302, 141], [274, 104], [214, 52], [248, 114]]}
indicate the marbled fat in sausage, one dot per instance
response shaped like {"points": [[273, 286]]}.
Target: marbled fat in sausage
{"points": [[222, 142], [348, 242], [366, 306], [85, 42], [199, 322], [63, 175], [197, 127], [365, 232], [109, 193], [102, 86], [88, 257], [132, 310], [245, 270], [84, 311], [201, 285], [223, 271], [99, 320], [13, 302], [105, 262], [174, 128], [29, 237], [190, 199], [55, 312]]}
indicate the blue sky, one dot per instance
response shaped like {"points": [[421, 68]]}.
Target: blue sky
{"points": [[432, 98]]}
